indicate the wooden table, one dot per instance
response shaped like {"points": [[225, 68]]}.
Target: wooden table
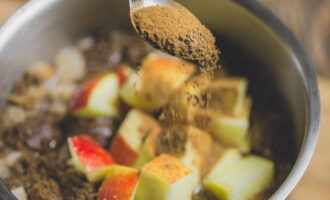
{"points": [[315, 185]]}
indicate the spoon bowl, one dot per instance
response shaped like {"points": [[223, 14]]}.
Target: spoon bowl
{"points": [[170, 27]]}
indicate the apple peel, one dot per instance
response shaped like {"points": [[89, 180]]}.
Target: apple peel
{"points": [[89, 157], [120, 184]]}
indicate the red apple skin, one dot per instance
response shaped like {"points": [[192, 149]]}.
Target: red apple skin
{"points": [[80, 98], [123, 153], [119, 188], [122, 73], [91, 154]]}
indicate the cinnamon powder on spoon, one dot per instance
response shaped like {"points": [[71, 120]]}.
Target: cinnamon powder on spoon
{"points": [[175, 30]]}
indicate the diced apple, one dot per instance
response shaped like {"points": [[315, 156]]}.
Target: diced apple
{"points": [[89, 157], [156, 81], [120, 184], [232, 130], [245, 146], [195, 155], [97, 97], [131, 96], [228, 95], [165, 178], [236, 178], [19, 193], [129, 139], [124, 72], [227, 159], [148, 150], [184, 142], [187, 100]]}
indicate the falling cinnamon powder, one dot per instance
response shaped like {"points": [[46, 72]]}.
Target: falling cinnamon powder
{"points": [[175, 30]]}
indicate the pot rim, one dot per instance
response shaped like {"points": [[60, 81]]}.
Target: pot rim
{"points": [[308, 74], [305, 68]]}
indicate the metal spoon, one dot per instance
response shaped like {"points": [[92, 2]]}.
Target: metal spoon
{"points": [[174, 30], [5, 194], [138, 4]]}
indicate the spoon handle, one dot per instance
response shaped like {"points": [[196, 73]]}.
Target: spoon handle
{"points": [[137, 4], [5, 194]]}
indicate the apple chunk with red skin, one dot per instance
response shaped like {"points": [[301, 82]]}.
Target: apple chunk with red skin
{"points": [[97, 97], [89, 157], [124, 72], [165, 178], [100, 96], [149, 149], [158, 78], [120, 184], [134, 129]]}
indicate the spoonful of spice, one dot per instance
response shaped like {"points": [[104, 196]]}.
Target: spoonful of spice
{"points": [[172, 28]]}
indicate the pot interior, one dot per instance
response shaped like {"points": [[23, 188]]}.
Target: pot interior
{"points": [[249, 48]]}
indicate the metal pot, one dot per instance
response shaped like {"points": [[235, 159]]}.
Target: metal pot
{"points": [[256, 39]]}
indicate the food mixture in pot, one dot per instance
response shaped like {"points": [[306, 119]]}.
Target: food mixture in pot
{"points": [[111, 118]]}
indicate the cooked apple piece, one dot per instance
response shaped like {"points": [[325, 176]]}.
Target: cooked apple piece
{"points": [[120, 184], [184, 142], [89, 157], [156, 81], [232, 130], [149, 149], [19, 193], [134, 129], [235, 178], [245, 146], [195, 155], [165, 178], [228, 158], [228, 94], [186, 102], [191, 94], [132, 97], [124, 72], [97, 97]]}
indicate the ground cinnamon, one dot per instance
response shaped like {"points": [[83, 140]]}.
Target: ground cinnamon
{"points": [[178, 32]]}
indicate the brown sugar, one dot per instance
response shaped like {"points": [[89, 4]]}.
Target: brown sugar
{"points": [[178, 32]]}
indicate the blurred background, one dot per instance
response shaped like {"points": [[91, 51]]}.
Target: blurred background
{"points": [[310, 22]]}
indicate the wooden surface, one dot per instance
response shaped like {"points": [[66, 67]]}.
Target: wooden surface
{"points": [[315, 185], [7, 7]]}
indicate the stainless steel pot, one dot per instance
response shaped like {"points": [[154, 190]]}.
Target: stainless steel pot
{"points": [[256, 39]]}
